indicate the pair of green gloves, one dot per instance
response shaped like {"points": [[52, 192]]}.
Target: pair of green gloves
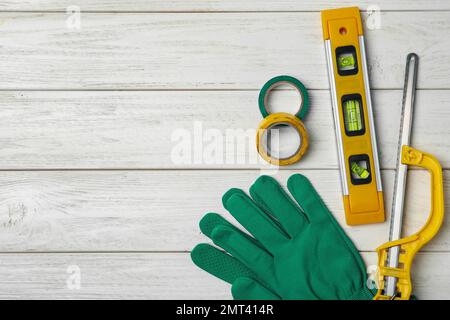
{"points": [[294, 250]]}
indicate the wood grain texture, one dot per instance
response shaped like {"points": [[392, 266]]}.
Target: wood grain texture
{"points": [[136, 130], [160, 210], [218, 5], [206, 51], [158, 276], [76, 104]]}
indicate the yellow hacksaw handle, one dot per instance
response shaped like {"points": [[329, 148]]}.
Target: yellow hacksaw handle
{"points": [[410, 245]]}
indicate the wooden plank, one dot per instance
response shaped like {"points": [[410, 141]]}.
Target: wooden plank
{"points": [[206, 51], [217, 5], [113, 130], [160, 210], [156, 276], [105, 276]]}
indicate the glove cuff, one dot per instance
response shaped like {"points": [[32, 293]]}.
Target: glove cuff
{"points": [[363, 294]]}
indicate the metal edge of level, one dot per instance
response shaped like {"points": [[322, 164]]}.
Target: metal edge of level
{"points": [[337, 124], [373, 138]]}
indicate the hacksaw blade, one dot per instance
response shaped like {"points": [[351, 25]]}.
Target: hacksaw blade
{"points": [[397, 214]]}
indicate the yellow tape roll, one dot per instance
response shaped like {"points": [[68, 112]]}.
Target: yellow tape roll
{"points": [[273, 120]]}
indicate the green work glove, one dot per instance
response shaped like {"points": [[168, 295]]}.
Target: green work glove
{"points": [[295, 252]]}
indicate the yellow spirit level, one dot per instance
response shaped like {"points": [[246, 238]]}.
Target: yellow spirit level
{"points": [[353, 117]]}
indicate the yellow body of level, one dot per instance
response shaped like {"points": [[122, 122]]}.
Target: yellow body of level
{"points": [[355, 133]]}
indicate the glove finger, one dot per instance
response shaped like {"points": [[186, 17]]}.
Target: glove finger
{"points": [[211, 220], [269, 195], [248, 289], [308, 198], [251, 255], [219, 264], [252, 218]]}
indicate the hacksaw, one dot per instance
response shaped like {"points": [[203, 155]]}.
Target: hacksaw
{"points": [[396, 256]]}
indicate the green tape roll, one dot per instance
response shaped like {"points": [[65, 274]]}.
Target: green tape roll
{"points": [[275, 82]]}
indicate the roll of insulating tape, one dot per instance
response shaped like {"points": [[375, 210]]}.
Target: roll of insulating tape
{"points": [[280, 80], [277, 119]]}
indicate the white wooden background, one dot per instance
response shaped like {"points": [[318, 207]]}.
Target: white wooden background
{"points": [[87, 116]]}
